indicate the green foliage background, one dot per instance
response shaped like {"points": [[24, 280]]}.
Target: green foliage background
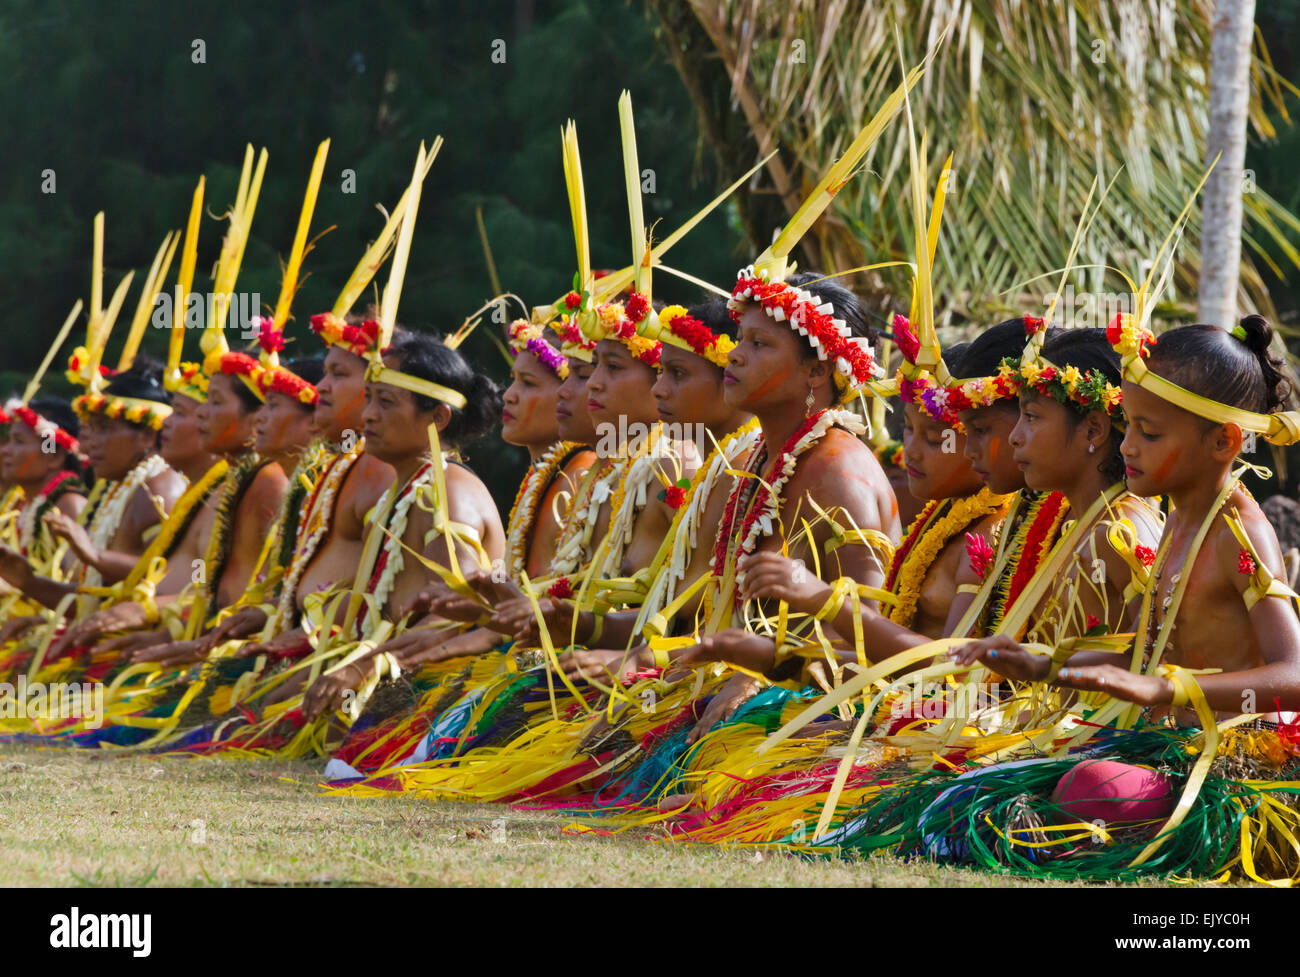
{"points": [[107, 96]]}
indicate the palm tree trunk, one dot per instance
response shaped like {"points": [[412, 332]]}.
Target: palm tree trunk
{"points": [[1233, 30]]}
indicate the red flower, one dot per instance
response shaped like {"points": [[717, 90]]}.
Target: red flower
{"points": [[637, 306], [1093, 622], [562, 589], [1146, 554], [1245, 562], [980, 554], [1114, 329], [908, 344], [1049, 373], [1033, 324], [675, 496], [573, 300]]}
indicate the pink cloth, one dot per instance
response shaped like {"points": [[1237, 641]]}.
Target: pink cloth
{"points": [[1114, 792]]}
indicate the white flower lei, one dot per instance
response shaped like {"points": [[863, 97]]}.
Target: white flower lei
{"points": [[684, 531], [631, 499], [762, 526], [108, 515], [537, 480], [391, 547], [319, 519], [576, 538]]}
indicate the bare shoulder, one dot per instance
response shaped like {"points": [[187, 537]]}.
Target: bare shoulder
{"points": [[1228, 549], [368, 479], [168, 484]]}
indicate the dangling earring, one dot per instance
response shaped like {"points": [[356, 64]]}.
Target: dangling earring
{"points": [[808, 403], [1091, 447]]}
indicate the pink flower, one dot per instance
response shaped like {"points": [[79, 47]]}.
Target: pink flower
{"points": [[908, 344], [980, 554]]}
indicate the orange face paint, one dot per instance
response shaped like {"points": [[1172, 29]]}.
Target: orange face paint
{"points": [[1167, 466], [770, 384]]}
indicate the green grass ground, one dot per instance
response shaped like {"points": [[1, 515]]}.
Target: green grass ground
{"points": [[73, 818]]}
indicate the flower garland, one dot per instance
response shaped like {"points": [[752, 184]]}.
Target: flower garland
{"points": [[809, 317], [191, 382], [320, 516], [641, 472], [734, 449], [614, 320], [17, 410], [939, 523], [765, 503], [524, 337], [29, 519], [1068, 386], [107, 519], [537, 481], [360, 340], [573, 548], [687, 332], [302, 480], [389, 562], [1033, 540], [238, 478], [132, 410]]}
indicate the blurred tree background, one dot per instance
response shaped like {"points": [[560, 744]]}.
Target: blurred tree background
{"points": [[109, 98]]}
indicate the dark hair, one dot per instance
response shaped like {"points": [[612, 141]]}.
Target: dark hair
{"points": [[713, 313], [144, 381], [430, 359], [1214, 363], [954, 354], [985, 353], [1089, 350], [60, 412], [847, 306]]}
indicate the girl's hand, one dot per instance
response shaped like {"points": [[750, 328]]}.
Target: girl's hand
{"points": [[735, 646], [772, 576], [14, 568], [16, 627], [1119, 683], [1003, 656], [600, 664], [244, 623]]}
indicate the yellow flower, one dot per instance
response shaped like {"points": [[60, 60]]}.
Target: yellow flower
{"points": [[1070, 376]]}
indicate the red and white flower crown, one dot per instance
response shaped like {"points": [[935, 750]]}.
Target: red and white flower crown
{"points": [[45, 428], [854, 362]]}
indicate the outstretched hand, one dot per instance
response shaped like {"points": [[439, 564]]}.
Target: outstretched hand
{"points": [[771, 576], [1004, 656], [735, 646]]}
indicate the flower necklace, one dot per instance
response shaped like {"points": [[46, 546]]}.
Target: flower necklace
{"points": [[573, 549], [641, 472], [537, 481], [1033, 540], [112, 506], [302, 481], [311, 532], [764, 501], [683, 534], [939, 523], [389, 562], [29, 518]]}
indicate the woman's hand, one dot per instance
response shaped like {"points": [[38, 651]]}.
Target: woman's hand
{"points": [[330, 691], [244, 623], [735, 646], [282, 642], [171, 653], [1004, 656], [1120, 683], [16, 627], [127, 616], [738, 690], [15, 569], [771, 576], [65, 527]]}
